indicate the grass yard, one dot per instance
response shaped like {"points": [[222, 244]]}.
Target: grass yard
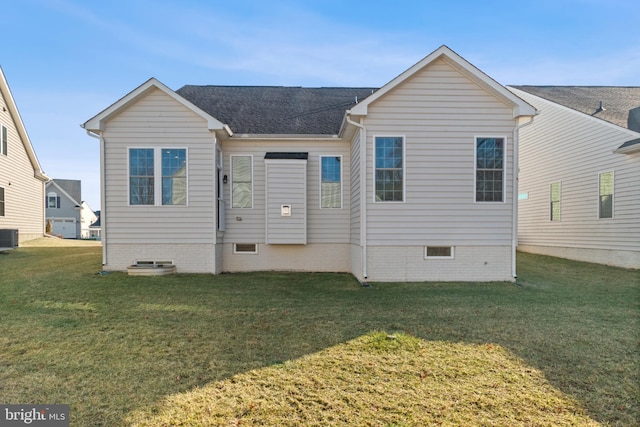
{"points": [[560, 348]]}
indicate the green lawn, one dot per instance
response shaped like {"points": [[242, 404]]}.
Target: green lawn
{"points": [[562, 347]]}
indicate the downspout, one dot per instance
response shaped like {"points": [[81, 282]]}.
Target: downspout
{"points": [[516, 173], [363, 191], [103, 223]]}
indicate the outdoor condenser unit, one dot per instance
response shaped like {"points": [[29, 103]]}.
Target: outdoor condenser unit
{"points": [[8, 238]]}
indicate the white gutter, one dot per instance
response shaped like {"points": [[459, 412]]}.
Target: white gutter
{"points": [[363, 192], [516, 172], [103, 223]]}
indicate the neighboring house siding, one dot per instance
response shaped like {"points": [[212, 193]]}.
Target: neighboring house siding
{"points": [[439, 112], [571, 147], [158, 121], [23, 192]]}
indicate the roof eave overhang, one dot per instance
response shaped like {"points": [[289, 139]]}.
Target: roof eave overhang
{"points": [[629, 147], [97, 123], [520, 107], [22, 131], [63, 191], [308, 137]]}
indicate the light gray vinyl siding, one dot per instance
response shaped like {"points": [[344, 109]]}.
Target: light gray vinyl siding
{"points": [[564, 145], [286, 185], [67, 207], [156, 120], [248, 225], [23, 192], [439, 112]]}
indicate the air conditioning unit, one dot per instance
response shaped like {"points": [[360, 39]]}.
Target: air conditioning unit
{"points": [[8, 238]]}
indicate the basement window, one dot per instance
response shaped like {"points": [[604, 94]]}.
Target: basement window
{"points": [[245, 248], [152, 263], [438, 252]]}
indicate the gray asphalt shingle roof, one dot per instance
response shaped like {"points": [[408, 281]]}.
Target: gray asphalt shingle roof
{"points": [[618, 101], [276, 109], [72, 187]]}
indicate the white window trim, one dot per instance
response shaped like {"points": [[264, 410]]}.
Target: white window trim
{"points": [[235, 251], [221, 205], [53, 194], [4, 200], [157, 175], [231, 156], [452, 256], [613, 195], [404, 168], [559, 201], [341, 181], [504, 167], [3, 128]]}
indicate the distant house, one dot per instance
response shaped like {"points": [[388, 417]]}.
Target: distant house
{"points": [[21, 177], [95, 229], [63, 205], [413, 181], [67, 215], [87, 219], [580, 174]]}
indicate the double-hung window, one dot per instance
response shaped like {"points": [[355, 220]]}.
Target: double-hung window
{"points": [[605, 195], [157, 176], [3, 140], [241, 181], [53, 200], [389, 168], [490, 169], [330, 181], [554, 201], [174, 176]]}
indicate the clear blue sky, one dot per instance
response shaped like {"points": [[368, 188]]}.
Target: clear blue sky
{"points": [[67, 60]]}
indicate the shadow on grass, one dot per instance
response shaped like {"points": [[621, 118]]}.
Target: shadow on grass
{"points": [[112, 345]]}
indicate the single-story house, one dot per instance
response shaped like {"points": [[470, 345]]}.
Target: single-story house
{"points": [[22, 180], [413, 181], [580, 174]]}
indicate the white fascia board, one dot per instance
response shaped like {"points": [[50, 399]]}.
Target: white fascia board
{"points": [[520, 107], [97, 123], [632, 134], [634, 148], [5, 90], [64, 193]]}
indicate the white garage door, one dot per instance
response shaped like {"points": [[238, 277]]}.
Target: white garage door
{"points": [[65, 227]]}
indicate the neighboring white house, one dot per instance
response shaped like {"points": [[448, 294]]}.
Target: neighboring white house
{"points": [[580, 174], [88, 219], [414, 181], [95, 229], [21, 177]]}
